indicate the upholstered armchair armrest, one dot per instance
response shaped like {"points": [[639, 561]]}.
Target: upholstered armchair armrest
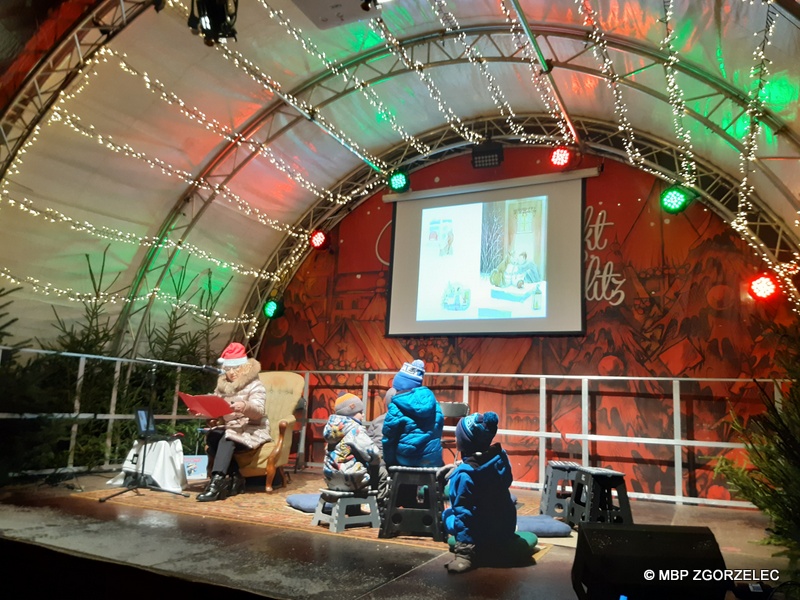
{"points": [[280, 451]]}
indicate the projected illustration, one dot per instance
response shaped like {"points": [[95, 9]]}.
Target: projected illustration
{"points": [[483, 261]]}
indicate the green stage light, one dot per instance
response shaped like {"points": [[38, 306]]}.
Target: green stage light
{"points": [[399, 181], [676, 198], [273, 308]]}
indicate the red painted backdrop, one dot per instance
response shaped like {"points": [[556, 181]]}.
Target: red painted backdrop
{"points": [[665, 297]]}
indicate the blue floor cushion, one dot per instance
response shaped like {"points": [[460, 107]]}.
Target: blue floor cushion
{"points": [[543, 526], [306, 502]]}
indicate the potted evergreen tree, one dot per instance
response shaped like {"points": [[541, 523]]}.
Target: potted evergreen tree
{"points": [[771, 480]]}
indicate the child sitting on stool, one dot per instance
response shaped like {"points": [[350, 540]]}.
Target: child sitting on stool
{"points": [[412, 429], [482, 517], [350, 450]]}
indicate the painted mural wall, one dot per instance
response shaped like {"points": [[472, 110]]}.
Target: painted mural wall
{"points": [[665, 297]]}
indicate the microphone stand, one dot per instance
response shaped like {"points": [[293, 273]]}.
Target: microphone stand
{"points": [[139, 478]]}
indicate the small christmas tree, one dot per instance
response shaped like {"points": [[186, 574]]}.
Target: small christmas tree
{"points": [[772, 442]]}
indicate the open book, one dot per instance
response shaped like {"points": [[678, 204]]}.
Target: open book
{"points": [[210, 406]]}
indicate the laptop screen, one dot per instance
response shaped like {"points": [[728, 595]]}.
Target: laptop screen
{"points": [[145, 422]]}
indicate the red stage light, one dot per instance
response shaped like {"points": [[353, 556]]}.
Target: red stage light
{"points": [[319, 239], [561, 156], [763, 287]]}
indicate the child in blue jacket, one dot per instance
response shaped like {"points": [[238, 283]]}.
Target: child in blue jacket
{"points": [[412, 429], [482, 517]]}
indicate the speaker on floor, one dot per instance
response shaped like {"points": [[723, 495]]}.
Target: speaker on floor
{"points": [[647, 562]]}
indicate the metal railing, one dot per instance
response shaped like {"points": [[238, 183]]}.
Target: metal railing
{"points": [[460, 388], [111, 416], [541, 394]]}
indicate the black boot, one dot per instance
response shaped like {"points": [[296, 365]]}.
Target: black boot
{"points": [[218, 489], [237, 484]]}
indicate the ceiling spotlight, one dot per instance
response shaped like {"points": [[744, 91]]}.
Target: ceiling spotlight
{"points": [[399, 181], [487, 154], [319, 240], [675, 199], [214, 19], [368, 4]]}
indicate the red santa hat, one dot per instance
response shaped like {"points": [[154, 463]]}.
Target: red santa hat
{"points": [[233, 356]]}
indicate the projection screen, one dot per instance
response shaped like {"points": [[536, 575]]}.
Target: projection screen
{"points": [[501, 258]]}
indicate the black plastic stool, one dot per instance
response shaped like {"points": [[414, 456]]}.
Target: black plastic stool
{"points": [[555, 497], [592, 497], [414, 518]]}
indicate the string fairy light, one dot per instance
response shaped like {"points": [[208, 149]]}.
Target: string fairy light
{"points": [[601, 54], [73, 121], [306, 109], [227, 133], [688, 168], [59, 115], [450, 23], [349, 78], [52, 215], [524, 45], [754, 112], [48, 289], [455, 123], [55, 216]]}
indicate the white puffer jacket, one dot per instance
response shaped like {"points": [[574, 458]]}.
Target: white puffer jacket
{"points": [[251, 426]]}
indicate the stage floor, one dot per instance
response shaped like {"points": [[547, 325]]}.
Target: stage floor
{"points": [[280, 560]]}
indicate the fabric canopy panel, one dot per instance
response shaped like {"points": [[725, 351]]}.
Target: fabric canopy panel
{"points": [[232, 152]]}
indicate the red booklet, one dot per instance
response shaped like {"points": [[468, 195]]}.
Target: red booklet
{"points": [[209, 405]]}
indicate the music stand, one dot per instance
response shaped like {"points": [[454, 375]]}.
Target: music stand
{"points": [[145, 423]]}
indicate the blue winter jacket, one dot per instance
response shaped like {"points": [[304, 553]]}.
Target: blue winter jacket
{"points": [[481, 509], [412, 430]]}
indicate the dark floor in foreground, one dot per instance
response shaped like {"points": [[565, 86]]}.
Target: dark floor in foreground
{"points": [[151, 554]]}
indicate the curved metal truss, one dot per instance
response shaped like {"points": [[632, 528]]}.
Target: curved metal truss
{"points": [[100, 24], [717, 190], [55, 71]]}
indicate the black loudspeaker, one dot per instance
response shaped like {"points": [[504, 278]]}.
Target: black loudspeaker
{"points": [[647, 562]]}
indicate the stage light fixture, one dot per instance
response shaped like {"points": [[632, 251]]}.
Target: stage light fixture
{"points": [[561, 156], [213, 19], [273, 308], [319, 240], [763, 287], [399, 181], [487, 154], [675, 199]]}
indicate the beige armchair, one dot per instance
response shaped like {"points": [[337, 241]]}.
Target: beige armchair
{"points": [[284, 391]]}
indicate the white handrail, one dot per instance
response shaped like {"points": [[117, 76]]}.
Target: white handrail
{"points": [[369, 382]]}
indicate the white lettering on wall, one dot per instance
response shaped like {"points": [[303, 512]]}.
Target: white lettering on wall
{"points": [[602, 280]]}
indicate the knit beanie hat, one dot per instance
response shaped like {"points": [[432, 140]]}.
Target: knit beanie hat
{"points": [[475, 432], [409, 376], [233, 356], [348, 405]]}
